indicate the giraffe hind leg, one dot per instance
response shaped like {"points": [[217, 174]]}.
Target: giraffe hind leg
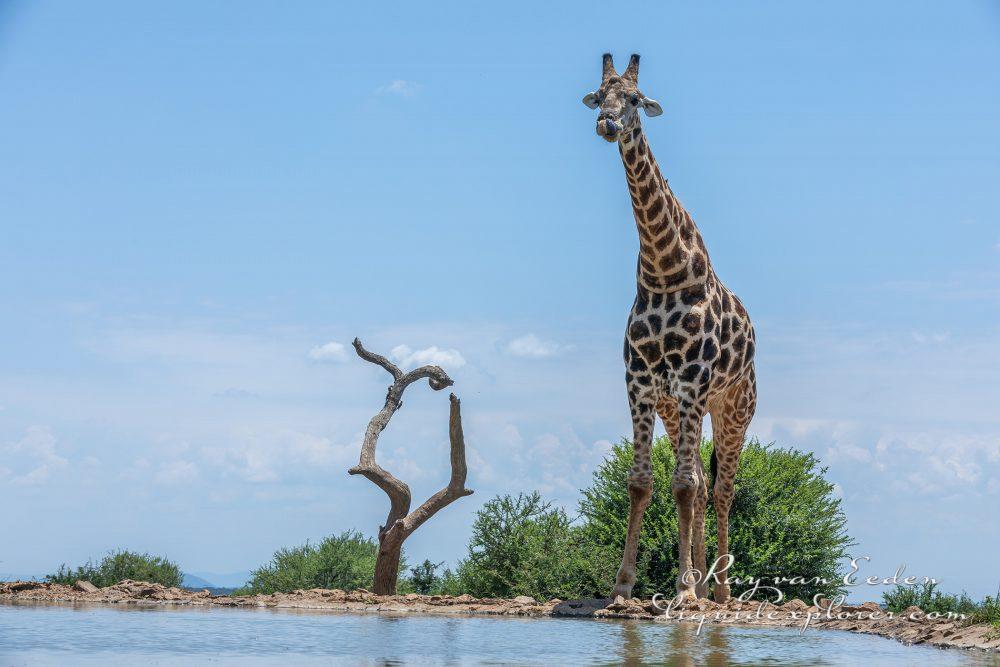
{"points": [[669, 411], [670, 414], [730, 420]]}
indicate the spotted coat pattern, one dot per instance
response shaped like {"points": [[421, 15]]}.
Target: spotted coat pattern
{"points": [[689, 350]]}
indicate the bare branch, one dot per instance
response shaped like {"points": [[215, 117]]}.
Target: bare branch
{"points": [[377, 359], [435, 375], [456, 486]]}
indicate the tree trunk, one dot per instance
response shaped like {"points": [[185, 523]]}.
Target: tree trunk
{"points": [[387, 564]]}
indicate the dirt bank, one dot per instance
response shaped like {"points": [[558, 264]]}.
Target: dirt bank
{"points": [[910, 627]]}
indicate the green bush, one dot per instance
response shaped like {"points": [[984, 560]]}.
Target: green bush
{"points": [[784, 521], [987, 611], [929, 599], [345, 561], [424, 579], [119, 565], [524, 546]]}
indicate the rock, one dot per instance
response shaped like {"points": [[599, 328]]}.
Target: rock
{"points": [[555, 601], [794, 605], [912, 610], [85, 587], [618, 604], [871, 606], [523, 599], [24, 586], [465, 598], [653, 610]]}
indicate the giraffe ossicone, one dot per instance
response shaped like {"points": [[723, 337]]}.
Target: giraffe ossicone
{"points": [[689, 348]]}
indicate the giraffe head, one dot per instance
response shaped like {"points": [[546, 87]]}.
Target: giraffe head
{"points": [[619, 99]]}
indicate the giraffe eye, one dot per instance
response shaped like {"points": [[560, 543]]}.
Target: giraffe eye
{"points": [[634, 100]]}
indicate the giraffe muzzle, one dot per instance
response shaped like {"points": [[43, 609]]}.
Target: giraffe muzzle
{"points": [[608, 129]]}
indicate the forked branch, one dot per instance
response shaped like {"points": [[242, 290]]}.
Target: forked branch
{"points": [[400, 523]]}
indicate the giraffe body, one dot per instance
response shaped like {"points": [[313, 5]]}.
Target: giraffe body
{"points": [[689, 348]]}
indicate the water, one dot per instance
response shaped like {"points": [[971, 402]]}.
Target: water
{"points": [[55, 634]]}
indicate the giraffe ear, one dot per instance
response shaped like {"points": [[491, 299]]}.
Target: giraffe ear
{"points": [[590, 99], [651, 107]]}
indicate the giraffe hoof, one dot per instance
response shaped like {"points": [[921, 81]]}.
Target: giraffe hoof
{"points": [[686, 594], [624, 590]]}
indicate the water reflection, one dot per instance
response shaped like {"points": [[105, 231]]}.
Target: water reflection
{"points": [[57, 634], [673, 645]]}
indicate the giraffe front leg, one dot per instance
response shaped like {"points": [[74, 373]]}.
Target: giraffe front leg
{"points": [[686, 485], [698, 530], [640, 491]]}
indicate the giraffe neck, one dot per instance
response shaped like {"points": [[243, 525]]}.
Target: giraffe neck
{"points": [[672, 254]]}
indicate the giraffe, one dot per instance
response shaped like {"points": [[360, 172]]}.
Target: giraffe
{"points": [[689, 348]]}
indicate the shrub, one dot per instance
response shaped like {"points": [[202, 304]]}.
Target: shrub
{"points": [[987, 611], [119, 565], [784, 521], [929, 599], [345, 561], [424, 579], [449, 584], [524, 546]]}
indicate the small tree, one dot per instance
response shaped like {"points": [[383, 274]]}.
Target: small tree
{"points": [[401, 522], [785, 520], [119, 565], [424, 579]]}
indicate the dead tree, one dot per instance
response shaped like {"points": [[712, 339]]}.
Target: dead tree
{"points": [[401, 522]]}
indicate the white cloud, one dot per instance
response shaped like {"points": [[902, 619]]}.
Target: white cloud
{"points": [[400, 464], [848, 451], [280, 456], [447, 359], [36, 454], [533, 347], [924, 338], [235, 392], [176, 472], [399, 87], [332, 352]]}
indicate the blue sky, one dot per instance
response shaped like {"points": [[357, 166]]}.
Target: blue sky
{"points": [[201, 202]]}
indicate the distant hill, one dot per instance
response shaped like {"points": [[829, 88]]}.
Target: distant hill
{"points": [[196, 582], [217, 579]]}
